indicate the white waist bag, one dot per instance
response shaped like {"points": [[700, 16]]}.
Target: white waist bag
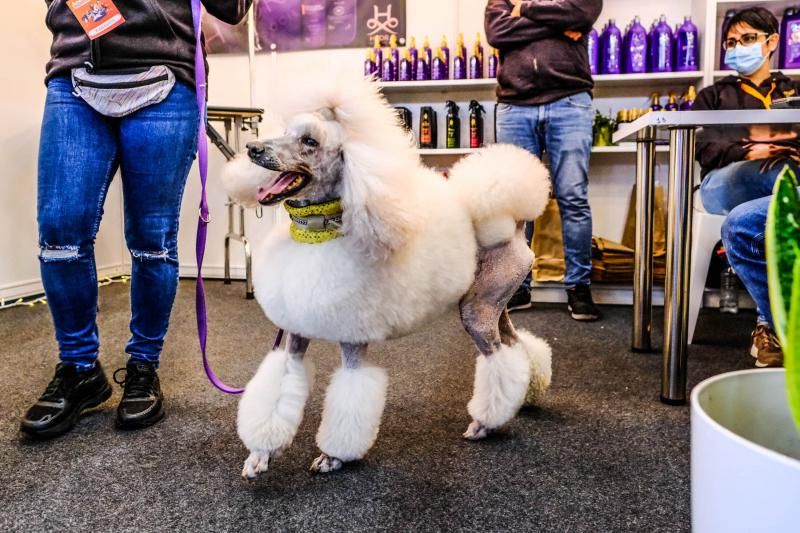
{"points": [[116, 93]]}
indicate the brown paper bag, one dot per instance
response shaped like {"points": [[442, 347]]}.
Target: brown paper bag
{"points": [[659, 223], [548, 245]]}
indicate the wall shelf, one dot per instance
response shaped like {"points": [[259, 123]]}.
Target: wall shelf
{"points": [[622, 80], [623, 148]]}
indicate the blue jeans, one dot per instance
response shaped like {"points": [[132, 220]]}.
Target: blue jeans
{"points": [[742, 192], [79, 153], [562, 129]]}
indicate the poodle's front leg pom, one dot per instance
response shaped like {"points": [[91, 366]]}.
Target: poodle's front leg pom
{"points": [[271, 409], [256, 463]]}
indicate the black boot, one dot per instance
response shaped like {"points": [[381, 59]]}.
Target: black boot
{"points": [[142, 403], [68, 394], [580, 304]]}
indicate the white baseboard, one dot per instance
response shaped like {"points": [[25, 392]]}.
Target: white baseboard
{"points": [[211, 271]]}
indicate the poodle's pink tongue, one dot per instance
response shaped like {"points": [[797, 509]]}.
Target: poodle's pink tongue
{"points": [[283, 182]]}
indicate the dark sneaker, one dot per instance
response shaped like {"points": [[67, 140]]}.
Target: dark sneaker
{"points": [[67, 395], [520, 300], [142, 404], [766, 347], [580, 304]]}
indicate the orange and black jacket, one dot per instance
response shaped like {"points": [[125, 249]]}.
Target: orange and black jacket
{"points": [[719, 147]]}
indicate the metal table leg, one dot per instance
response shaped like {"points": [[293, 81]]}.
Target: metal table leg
{"points": [[232, 233], [643, 251], [676, 290]]}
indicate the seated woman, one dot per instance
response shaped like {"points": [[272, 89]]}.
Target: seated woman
{"points": [[740, 165]]}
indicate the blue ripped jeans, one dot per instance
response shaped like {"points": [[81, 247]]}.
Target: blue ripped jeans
{"points": [[563, 129], [743, 193], [79, 153]]}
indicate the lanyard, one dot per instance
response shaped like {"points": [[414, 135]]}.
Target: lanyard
{"points": [[766, 100]]}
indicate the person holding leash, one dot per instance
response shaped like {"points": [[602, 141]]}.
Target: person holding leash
{"points": [[120, 95]]}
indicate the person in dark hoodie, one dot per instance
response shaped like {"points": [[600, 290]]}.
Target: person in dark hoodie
{"points": [[545, 105], [148, 130], [740, 165]]}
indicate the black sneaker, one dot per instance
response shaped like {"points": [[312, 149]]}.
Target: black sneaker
{"points": [[142, 404], [67, 395], [580, 304], [520, 300]]}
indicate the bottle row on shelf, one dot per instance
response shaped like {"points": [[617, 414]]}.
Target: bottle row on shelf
{"points": [[429, 130], [412, 64], [605, 126], [638, 51]]}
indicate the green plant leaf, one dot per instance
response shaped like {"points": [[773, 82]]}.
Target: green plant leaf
{"points": [[782, 245], [791, 349]]}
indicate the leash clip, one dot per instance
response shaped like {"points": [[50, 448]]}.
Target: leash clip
{"points": [[205, 220]]}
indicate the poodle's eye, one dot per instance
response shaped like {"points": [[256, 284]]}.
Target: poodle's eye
{"points": [[308, 141]]}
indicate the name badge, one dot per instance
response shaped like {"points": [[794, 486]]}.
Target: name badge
{"points": [[97, 17]]}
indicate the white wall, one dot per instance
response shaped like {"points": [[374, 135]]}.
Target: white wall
{"points": [[24, 42]]}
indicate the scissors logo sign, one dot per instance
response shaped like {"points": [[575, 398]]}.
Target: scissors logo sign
{"points": [[382, 21]]}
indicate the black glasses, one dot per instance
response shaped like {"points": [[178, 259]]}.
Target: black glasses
{"points": [[746, 39]]}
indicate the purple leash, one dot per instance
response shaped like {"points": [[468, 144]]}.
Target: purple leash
{"points": [[202, 223]]}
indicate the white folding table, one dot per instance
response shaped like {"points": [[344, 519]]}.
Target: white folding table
{"points": [[681, 127]]}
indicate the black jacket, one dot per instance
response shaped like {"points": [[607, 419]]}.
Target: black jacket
{"points": [[155, 32], [538, 63], [719, 147]]}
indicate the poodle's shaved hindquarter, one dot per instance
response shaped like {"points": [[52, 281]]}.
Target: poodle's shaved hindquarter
{"points": [[401, 245]]}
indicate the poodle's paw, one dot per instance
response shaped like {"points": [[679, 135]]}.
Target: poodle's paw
{"points": [[256, 463], [325, 463], [476, 431]]}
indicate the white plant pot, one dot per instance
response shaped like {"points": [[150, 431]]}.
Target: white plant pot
{"points": [[745, 455]]}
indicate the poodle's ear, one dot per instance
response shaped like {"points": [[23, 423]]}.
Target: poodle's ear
{"points": [[373, 208]]}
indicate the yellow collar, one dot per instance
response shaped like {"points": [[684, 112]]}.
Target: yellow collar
{"points": [[314, 224]]}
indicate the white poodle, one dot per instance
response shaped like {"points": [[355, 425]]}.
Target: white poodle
{"points": [[378, 244]]}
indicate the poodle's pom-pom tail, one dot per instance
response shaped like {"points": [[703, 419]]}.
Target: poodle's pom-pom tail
{"points": [[501, 382], [352, 412], [271, 407], [540, 356], [501, 184]]}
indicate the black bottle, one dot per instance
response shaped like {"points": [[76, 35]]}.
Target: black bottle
{"points": [[475, 124], [427, 127], [405, 117], [453, 125]]}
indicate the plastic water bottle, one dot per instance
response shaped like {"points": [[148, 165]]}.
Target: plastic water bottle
{"points": [[728, 292]]}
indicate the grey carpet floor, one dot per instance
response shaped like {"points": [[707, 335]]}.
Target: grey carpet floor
{"points": [[600, 454]]}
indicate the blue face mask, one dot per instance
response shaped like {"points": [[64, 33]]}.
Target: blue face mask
{"points": [[745, 59]]}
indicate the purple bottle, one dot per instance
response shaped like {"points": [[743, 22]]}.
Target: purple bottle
{"points": [[426, 47], [370, 68], [476, 64], [278, 22], [341, 22], [661, 48], [635, 51], [388, 73], [791, 39], [423, 72], [394, 52], [494, 60], [414, 54], [315, 24], [438, 67], [378, 50], [445, 57], [688, 51], [726, 24], [612, 49], [592, 47], [404, 70], [459, 66]]}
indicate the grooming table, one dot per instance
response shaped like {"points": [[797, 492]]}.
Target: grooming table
{"points": [[236, 120]]}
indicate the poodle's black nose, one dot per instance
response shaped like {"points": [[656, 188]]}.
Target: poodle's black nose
{"points": [[255, 149]]}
